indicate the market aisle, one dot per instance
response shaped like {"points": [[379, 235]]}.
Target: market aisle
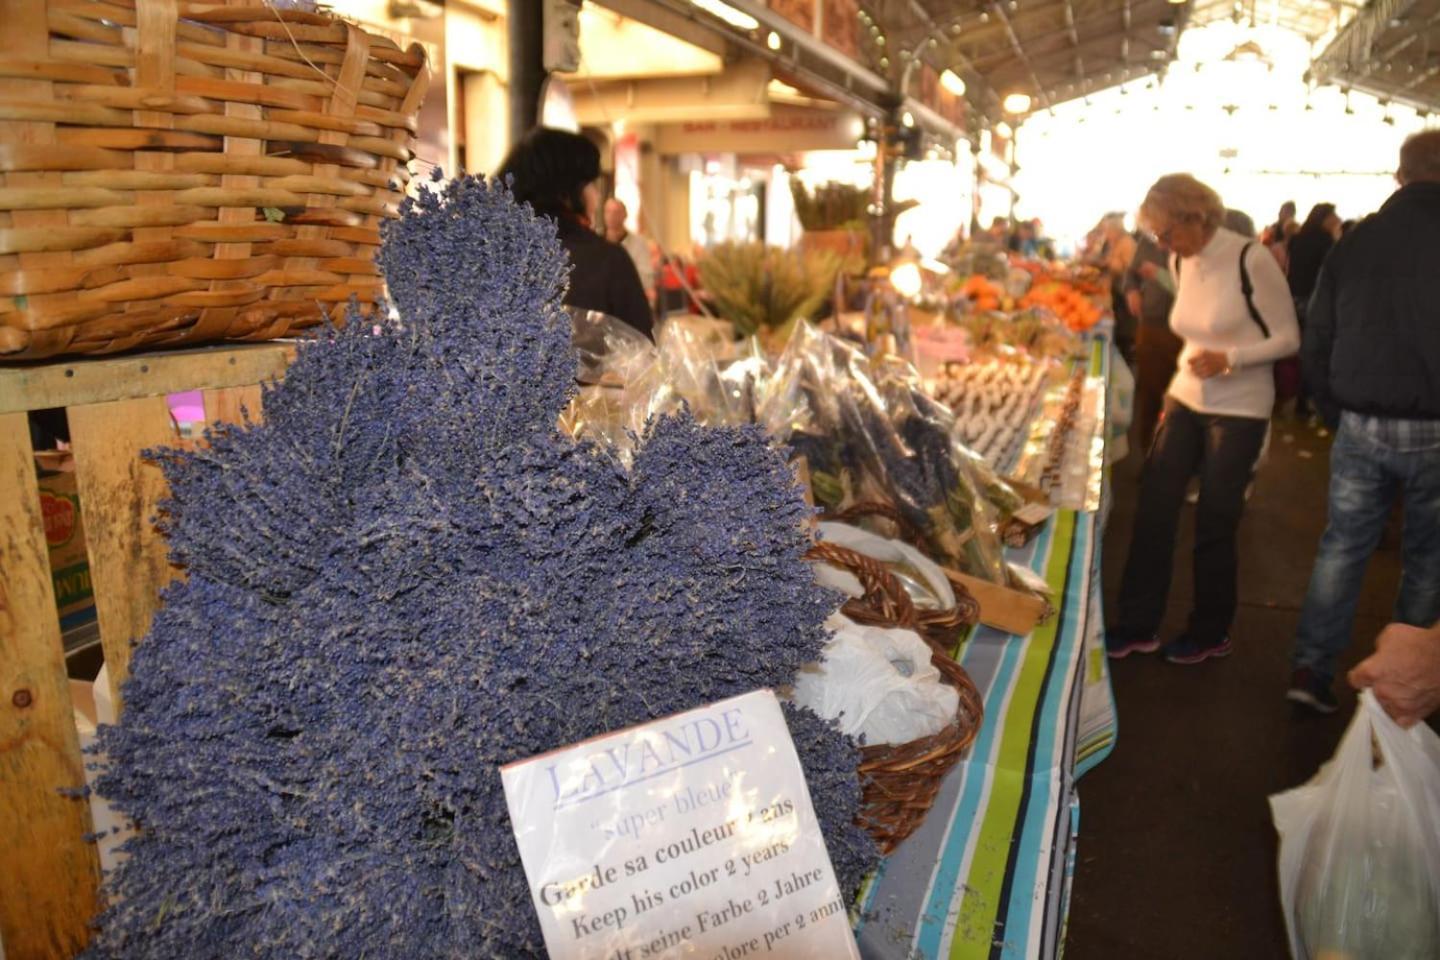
{"points": [[1176, 852]]}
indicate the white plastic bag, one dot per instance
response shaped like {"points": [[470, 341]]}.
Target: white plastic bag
{"points": [[1360, 846], [877, 683]]}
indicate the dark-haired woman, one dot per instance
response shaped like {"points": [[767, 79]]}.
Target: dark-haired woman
{"points": [[555, 171], [1305, 253]]}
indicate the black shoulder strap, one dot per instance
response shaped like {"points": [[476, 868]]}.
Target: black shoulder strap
{"points": [[1248, 289]]}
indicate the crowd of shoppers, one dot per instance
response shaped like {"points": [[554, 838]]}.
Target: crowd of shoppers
{"points": [[1357, 305]]}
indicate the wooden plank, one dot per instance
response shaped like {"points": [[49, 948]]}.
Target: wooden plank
{"points": [[48, 874], [1002, 607], [102, 379], [119, 493], [233, 405]]}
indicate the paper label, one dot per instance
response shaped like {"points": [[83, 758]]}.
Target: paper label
{"points": [[692, 836], [1034, 513]]}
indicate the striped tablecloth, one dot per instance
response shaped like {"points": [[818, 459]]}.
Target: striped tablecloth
{"points": [[987, 874]]}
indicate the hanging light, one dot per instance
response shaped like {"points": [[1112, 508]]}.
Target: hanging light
{"points": [[729, 14], [953, 82], [773, 40], [907, 118], [1017, 103], [905, 278]]}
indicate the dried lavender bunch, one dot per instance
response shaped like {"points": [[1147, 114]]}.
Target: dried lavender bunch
{"points": [[406, 577]]}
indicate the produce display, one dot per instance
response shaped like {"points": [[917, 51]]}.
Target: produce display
{"points": [[1076, 309], [405, 577], [757, 287], [1034, 332], [993, 402]]}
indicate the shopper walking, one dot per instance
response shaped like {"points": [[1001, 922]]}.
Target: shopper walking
{"points": [[1304, 254], [1371, 352], [1234, 313], [636, 244], [1149, 293], [1113, 254], [1278, 230], [555, 171]]}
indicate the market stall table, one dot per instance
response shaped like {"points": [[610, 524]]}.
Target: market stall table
{"points": [[988, 872]]}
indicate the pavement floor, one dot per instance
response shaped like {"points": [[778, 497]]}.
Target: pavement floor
{"points": [[1177, 853]]}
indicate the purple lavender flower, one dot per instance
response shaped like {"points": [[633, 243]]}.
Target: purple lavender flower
{"points": [[406, 577]]}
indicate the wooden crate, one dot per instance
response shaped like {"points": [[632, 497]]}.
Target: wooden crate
{"points": [[49, 875]]}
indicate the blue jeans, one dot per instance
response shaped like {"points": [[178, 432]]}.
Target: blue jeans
{"points": [[1366, 475]]}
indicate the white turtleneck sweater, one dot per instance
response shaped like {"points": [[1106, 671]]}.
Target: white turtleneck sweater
{"points": [[1210, 314]]}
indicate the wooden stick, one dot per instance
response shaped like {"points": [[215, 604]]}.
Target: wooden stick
{"points": [[48, 875]]}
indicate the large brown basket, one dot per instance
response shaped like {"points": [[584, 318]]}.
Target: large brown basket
{"points": [[175, 172], [901, 781]]}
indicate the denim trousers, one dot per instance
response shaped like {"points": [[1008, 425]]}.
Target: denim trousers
{"points": [[1367, 474], [1223, 451]]}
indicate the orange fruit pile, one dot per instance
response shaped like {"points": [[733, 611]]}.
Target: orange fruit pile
{"points": [[985, 294], [1077, 310]]}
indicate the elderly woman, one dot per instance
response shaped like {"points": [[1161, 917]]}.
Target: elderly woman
{"points": [[1233, 312]]}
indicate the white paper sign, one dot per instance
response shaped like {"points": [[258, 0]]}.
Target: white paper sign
{"points": [[692, 836]]}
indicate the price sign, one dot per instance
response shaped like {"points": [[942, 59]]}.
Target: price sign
{"points": [[692, 836]]}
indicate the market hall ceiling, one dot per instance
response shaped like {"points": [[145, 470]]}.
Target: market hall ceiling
{"points": [[1059, 50], [1390, 49], [1051, 50]]}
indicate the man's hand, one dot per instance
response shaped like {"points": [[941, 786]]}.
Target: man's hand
{"points": [[1209, 363], [1404, 672]]}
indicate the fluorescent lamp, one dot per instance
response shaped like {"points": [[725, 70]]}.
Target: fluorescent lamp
{"points": [[953, 82], [1017, 103], [727, 13]]}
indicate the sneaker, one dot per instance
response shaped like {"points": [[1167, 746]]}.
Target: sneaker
{"points": [[1313, 690], [1119, 645], [1188, 650]]}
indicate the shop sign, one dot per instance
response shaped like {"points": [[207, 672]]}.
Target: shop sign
{"points": [[690, 834], [787, 129]]}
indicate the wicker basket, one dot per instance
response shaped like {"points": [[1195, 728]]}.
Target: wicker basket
{"points": [[175, 172], [942, 628], [900, 781]]}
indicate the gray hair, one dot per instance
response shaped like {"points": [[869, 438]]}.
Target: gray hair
{"points": [[1239, 222], [1420, 158], [1180, 196]]}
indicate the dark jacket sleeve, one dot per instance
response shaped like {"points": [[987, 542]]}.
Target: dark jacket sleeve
{"points": [[627, 295], [1317, 341]]}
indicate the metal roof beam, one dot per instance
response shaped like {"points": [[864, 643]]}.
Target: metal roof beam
{"points": [[1125, 27], [1093, 49], [980, 91], [1035, 42], [999, 10], [995, 28], [1074, 35], [1157, 16]]}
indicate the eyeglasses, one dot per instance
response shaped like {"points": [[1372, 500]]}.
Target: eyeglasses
{"points": [[1165, 236]]}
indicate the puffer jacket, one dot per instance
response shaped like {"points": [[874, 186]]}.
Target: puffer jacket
{"points": [[1372, 334]]}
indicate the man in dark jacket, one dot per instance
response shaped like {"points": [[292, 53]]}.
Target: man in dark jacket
{"points": [[1371, 358]]}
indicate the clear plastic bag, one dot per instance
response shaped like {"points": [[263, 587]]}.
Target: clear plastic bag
{"points": [[1360, 846]]}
